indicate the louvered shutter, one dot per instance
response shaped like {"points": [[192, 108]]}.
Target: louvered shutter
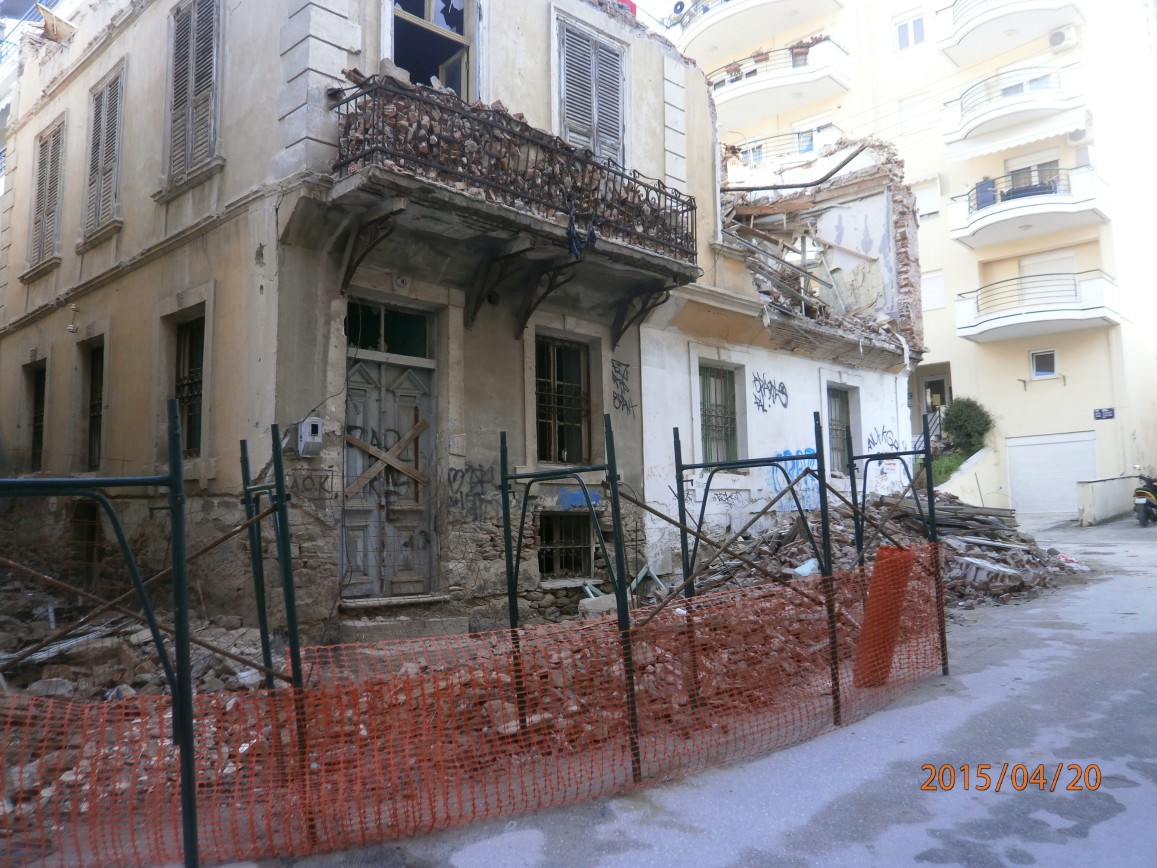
{"points": [[578, 105], [204, 63], [179, 107], [47, 197], [36, 255], [609, 104], [109, 156], [92, 214]]}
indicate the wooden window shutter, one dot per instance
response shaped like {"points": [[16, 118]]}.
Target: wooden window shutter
{"points": [[47, 197], [609, 102], [103, 157], [578, 104], [92, 218], [179, 107], [203, 75]]}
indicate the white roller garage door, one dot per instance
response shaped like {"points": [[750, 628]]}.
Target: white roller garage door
{"points": [[1043, 471]]}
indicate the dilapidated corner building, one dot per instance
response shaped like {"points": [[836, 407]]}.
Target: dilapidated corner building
{"points": [[238, 210], [811, 303]]}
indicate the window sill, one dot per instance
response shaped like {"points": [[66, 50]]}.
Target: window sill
{"points": [[99, 236], [170, 191], [391, 602], [39, 270]]}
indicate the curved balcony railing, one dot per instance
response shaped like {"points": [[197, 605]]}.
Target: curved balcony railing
{"points": [[765, 63], [435, 135], [962, 10], [1038, 181], [1039, 81], [1037, 290], [695, 11], [755, 151]]}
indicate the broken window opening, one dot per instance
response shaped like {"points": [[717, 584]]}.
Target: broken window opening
{"points": [[38, 385], [717, 413], [433, 38], [565, 546], [376, 327], [190, 383], [563, 401], [95, 406]]}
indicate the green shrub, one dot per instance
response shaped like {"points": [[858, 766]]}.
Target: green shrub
{"points": [[943, 466], [966, 422]]}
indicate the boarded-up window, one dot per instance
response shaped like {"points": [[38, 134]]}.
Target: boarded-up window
{"points": [[191, 107], [591, 92], [46, 204], [104, 153]]}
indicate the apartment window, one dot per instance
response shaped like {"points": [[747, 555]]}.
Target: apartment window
{"points": [[909, 32], [190, 382], [192, 103], [104, 153], [932, 291], [1029, 80], [46, 201], [95, 406], [839, 419], [562, 399], [434, 38], [717, 413], [927, 195], [38, 391], [1044, 364], [591, 83], [1043, 175], [752, 156], [564, 546]]}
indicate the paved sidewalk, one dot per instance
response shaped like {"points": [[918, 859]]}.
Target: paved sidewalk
{"points": [[1065, 679]]}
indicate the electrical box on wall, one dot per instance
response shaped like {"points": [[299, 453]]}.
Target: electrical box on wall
{"points": [[309, 436]]}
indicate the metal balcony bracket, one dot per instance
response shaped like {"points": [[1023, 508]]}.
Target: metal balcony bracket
{"points": [[556, 277], [493, 273], [625, 318], [369, 229]]}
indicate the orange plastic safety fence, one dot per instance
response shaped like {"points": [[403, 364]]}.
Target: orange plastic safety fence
{"points": [[400, 738]]}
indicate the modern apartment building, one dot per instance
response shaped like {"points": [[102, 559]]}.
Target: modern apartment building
{"points": [[1024, 136]]}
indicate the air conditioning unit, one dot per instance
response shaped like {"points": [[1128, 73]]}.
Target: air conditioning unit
{"points": [[1063, 39]]}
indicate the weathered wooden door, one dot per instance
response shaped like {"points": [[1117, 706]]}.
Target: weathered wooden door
{"points": [[387, 533]]}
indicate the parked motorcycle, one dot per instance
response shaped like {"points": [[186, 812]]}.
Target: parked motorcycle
{"points": [[1145, 499]]}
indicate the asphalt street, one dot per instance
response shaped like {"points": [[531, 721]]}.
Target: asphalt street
{"points": [[1058, 692]]}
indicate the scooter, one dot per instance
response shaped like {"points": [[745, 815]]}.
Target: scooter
{"points": [[1145, 499]]}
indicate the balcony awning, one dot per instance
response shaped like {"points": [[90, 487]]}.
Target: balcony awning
{"points": [[1021, 134]]}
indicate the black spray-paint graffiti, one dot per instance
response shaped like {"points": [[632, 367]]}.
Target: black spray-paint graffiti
{"points": [[807, 489], [767, 392], [469, 488], [621, 382], [728, 498], [883, 440]]}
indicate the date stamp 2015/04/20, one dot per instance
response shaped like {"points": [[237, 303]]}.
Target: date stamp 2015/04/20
{"points": [[1015, 776]]}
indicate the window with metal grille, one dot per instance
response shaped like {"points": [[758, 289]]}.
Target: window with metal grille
{"points": [[38, 386], [591, 85], [46, 196], [95, 405], [104, 153], [839, 412], [192, 102], [565, 546], [190, 382], [717, 413], [563, 401]]}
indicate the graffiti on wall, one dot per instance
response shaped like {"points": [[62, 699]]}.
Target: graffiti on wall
{"points": [[807, 489], [470, 489], [621, 387], [729, 499], [767, 392], [883, 439]]}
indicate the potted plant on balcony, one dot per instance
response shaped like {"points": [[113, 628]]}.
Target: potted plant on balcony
{"points": [[733, 70], [761, 56]]}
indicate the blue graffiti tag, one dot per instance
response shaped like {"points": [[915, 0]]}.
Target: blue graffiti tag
{"points": [[572, 498], [807, 489]]}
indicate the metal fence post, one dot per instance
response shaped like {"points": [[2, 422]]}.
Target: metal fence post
{"points": [[934, 538], [829, 583], [257, 562]]}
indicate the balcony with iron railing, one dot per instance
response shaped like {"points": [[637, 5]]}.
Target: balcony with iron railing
{"points": [[971, 30], [768, 83], [1025, 203], [487, 158], [758, 157], [714, 31], [1019, 98], [1037, 304]]}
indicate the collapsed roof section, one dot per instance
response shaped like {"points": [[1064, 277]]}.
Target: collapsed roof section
{"points": [[832, 248]]}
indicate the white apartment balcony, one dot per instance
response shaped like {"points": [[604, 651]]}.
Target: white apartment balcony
{"points": [[1015, 107], [772, 82], [1040, 304], [970, 30], [714, 31], [1027, 203], [771, 153]]}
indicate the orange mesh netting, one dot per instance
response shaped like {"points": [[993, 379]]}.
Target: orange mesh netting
{"points": [[399, 738]]}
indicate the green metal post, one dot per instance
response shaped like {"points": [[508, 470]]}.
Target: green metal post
{"points": [[258, 564]]}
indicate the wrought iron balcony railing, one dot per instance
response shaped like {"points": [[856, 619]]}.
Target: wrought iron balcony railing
{"points": [[763, 63], [1038, 81], [1036, 181], [1037, 290], [491, 154]]}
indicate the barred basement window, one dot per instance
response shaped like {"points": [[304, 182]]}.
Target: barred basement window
{"points": [[95, 406], [39, 388], [565, 548], [563, 401], [717, 413], [190, 382]]}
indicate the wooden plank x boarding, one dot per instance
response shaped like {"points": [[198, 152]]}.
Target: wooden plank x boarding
{"points": [[387, 459]]}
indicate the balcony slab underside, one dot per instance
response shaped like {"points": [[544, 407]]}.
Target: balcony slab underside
{"points": [[764, 96], [1015, 323], [1027, 218], [993, 28], [726, 30]]}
